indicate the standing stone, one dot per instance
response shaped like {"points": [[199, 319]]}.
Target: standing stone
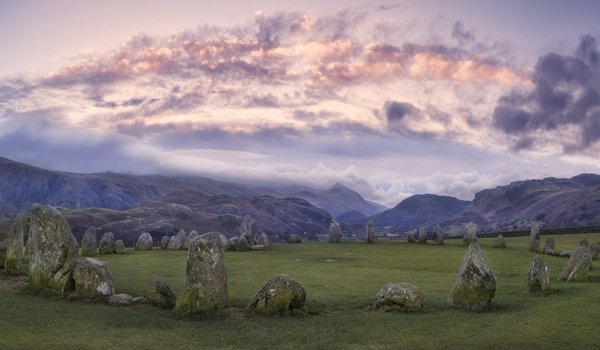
{"points": [[107, 244], [14, 246], [549, 245], [370, 232], [176, 242], [144, 242], [335, 232], [158, 293], [470, 235], [403, 297], [538, 277], [3, 244], [595, 250], [164, 242], [120, 247], [245, 229], [569, 273], [581, 269], [583, 243], [262, 239], [500, 242], [438, 235], [92, 279], [281, 295], [53, 250], [534, 238], [410, 237], [89, 245], [422, 235], [205, 289], [189, 238], [475, 284], [294, 238], [224, 239]]}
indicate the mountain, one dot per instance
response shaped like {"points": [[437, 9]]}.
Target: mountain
{"points": [[428, 209], [337, 200]]}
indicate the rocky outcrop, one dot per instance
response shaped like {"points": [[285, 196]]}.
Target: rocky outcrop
{"points": [[158, 293], [164, 242], [281, 295], [534, 238], [438, 235], [538, 277], [422, 239], [92, 279], [13, 258], [205, 288], [52, 248], [370, 237], [475, 284], [470, 235], [335, 232], [144, 242], [107, 244], [176, 242], [402, 297], [120, 247], [193, 234], [89, 245], [294, 238], [577, 267], [500, 242]]}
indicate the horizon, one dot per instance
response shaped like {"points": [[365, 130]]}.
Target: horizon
{"points": [[390, 100]]}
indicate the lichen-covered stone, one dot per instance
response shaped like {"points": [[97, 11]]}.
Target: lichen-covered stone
{"points": [[262, 239], [281, 295], [410, 237], [549, 245], [534, 238], [176, 242], [121, 299], [224, 239], [189, 238], [335, 232], [52, 249], [205, 288], [402, 297], [581, 269], [438, 235], [92, 279], [144, 242], [595, 250], [294, 238], [500, 242], [470, 235], [164, 242], [120, 247], [583, 243], [13, 258], [107, 244], [475, 284], [422, 238], [245, 230], [538, 277], [370, 237], [566, 274], [158, 293], [89, 244]]}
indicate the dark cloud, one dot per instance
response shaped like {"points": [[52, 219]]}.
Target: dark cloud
{"points": [[396, 111], [566, 93], [460, 33]]}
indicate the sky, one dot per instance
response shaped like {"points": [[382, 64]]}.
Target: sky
{"points": [[388, 98]]}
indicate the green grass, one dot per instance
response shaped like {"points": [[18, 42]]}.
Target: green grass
{"points": [[341, 281]]}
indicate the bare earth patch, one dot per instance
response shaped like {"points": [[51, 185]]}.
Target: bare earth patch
{"points": [[12, 284]]}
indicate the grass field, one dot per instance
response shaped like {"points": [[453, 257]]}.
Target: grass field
{"points": [[341, 281]]}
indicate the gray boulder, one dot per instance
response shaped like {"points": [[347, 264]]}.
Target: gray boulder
{"points": [[164, 242], [581, 269], [370, 238], [470, 235], [189, 238], [120, 247], [595, 250], [574, 270], [475, 284], [262, 240], [422, 239], [403, 297], [144, 242], [294, 238], [538, 277], [281, 295], [176, 242], [13, 258], [534, 238], [92, 279], [410, 237], [205, 288], [121, 299], [549, 245], [438, 235], [224, 239], [107, 244], [89, 244], [335, 232], [158, 293], [52, 248], [500, 242], [245, 229]]}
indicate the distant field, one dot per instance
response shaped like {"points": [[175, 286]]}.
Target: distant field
{"points": [[341, 281]]}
